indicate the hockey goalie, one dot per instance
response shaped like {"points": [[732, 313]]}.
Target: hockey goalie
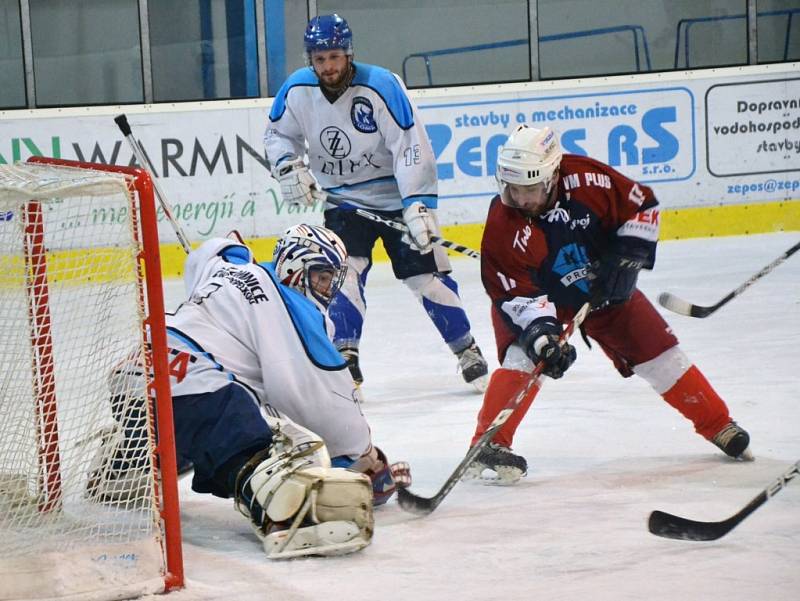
{"points": [[265, 409]]}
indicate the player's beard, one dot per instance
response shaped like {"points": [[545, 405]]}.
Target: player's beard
{"points": [[532, 212], [337, 81]]}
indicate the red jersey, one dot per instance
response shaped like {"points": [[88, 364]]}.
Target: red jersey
{"points": [[536, 267]]}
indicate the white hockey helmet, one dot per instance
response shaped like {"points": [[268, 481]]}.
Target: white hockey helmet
{"points": [[528, 157], [303, 249]]}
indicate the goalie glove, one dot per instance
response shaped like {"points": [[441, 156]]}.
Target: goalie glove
{"points": [[421, 226], [299, 187], [385, 478]]}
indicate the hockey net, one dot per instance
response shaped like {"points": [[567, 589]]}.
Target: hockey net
{"points": [[88, 494]]}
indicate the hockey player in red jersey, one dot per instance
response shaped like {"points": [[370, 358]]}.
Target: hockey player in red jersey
{"points": [[567, 229]]}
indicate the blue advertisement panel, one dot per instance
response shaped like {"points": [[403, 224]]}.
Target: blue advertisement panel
{"points": [[647, 134]]}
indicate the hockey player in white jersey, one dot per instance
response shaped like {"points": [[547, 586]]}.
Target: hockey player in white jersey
{"points": [[366, 145], [264, 406]]}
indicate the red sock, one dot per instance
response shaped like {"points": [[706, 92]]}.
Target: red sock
{"points": [[504, 385], [693, 396]]}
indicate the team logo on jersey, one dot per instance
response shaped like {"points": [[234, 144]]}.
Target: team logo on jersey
{"points": [[557, 213], [362, 115], [571, 264], [335, 142]]}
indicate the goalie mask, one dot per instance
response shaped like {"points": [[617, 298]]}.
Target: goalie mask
{"points": [[327, 32], [529, 159], [313, 260]]}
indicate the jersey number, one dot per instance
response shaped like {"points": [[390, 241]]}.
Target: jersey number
{"points": [[178, 366], [412, 155], [508, 283]]}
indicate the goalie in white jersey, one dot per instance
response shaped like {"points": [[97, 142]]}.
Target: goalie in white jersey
{"points": [[367, 148], [262, 400]]}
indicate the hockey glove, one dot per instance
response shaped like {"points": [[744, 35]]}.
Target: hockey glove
{"points": [[299, 187], [612, 279], [385, 478], [421, 226], [540, 341]]}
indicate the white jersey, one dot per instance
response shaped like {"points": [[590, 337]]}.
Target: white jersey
{"points": [[369, 146], [240, 325]]}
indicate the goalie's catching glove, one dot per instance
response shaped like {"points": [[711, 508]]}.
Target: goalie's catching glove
{"points": [[299, 187], [540, 341], [421, 226]]}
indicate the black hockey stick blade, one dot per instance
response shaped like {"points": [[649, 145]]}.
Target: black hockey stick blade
{"points": [[682, 307], [667, 525], [425, 505]]}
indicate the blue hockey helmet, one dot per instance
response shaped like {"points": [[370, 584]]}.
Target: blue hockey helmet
{"points": [[328, 32]]}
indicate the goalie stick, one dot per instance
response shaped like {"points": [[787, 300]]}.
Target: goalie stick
{"points": [[399, 225], [425, 505], [682, 307], [144, 162], [673, 526]]}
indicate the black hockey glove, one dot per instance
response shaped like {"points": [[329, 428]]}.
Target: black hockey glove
{"points": [[540, 341], [612, 279]]}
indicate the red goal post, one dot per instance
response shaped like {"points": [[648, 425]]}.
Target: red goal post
{"points": [[88, 479]]}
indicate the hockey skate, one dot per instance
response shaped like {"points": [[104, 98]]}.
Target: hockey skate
{"points": [[473, 366], [734, 441], [507, 466], [351, 356]]}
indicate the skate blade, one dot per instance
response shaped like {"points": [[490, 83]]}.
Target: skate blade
{"points": [[502, 476], [480, 383]]}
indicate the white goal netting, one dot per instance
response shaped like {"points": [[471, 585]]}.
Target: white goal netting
{"points": [[79, 512]]}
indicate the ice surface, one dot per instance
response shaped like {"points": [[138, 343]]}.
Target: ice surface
{"points": [[603, 453]]}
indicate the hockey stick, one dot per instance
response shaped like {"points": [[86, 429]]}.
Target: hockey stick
{"points": [[141, 158], [673, 526], [678, 305], [425, 505], [400, 226]]}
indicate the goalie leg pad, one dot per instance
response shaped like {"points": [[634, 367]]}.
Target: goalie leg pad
{"points": [[330, 538], [119, 472], [297, 509]]}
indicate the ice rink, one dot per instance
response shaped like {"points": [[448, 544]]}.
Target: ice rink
{"points": [[603, 453]]}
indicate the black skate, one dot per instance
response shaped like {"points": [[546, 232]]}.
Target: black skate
{"points": [[507, 466], [474, 368], [734, 441], [351, 356]]}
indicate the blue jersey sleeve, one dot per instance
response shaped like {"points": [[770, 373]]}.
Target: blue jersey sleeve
{"points": [[385, 84], [301, 77]]}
